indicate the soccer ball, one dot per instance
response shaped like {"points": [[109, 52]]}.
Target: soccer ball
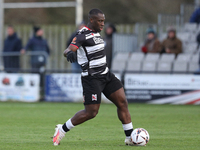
{"points": [[140, 137]]}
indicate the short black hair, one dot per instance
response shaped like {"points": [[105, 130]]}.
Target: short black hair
{"points": [[94, 12]]}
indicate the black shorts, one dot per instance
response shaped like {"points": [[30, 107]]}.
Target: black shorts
{"points": [[94, 85]]}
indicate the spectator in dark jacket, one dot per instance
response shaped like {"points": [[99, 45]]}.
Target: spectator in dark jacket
{"points": [[12, 44], [109, 31], [39, 45], [195, 18]]}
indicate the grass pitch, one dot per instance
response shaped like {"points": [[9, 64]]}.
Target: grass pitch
{"points": [[29, 126]]}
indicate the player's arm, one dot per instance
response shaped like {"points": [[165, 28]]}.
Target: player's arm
{"points": [[70, 54]]}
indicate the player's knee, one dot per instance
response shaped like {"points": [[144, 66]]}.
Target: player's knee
{"points": [[92, 114], [123, 103]]}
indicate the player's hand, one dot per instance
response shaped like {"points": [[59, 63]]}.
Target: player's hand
{"points": [[71, 56]]}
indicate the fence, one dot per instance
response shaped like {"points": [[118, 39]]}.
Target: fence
{"points": [[186, 11], [28, 62], [124, 43], [169, 19], [56, 35]]}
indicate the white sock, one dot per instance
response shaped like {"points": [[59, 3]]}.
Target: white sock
{"points": [[127, 128], [69, 124]]}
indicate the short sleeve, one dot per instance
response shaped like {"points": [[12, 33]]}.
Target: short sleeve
{"points": [[78, 40]]}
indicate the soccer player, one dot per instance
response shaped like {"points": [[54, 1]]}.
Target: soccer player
{"points": [[96, 78]]}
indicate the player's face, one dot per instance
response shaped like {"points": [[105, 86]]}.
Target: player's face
{"points": [[98, 22]]}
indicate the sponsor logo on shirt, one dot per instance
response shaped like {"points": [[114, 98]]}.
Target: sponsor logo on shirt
{"points": [[89, 34], [98, 40]]}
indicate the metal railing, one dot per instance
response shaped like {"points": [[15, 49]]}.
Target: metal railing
{"points": [[124, 43], [29, 62], [169, 19], [186, 11], [57, 36]]}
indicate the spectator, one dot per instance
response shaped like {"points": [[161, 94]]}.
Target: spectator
{"points": [[152, 44], [198, 40], [195, 18], [75, 67], [109, 31], [37, 44], [172, 44], [12, 44]]}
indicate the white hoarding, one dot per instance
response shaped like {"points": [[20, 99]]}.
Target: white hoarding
{"points": [[19, 87], [153, 81], [161, 88]]}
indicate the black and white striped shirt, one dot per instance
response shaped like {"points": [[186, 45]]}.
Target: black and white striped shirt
{"points": [[90, 54]]}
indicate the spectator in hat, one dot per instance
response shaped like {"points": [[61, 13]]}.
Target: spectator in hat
{"points": [[195, 17], [39, 45], [109, 31], [152, 44], [12, 44], [172, 44]]}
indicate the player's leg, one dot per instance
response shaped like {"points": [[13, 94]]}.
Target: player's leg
{"points": [[92, 98], [119, 99], [88, 113], [114, 92]]}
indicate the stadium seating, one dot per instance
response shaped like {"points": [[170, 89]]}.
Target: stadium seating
{"points": [[190, 47], [164, 67], [155, 63], [119, 62], [151, 57], [118, 66], [137, 57], [149, 67], [193, 37], [167, 58], [180, 67], [121, 56], [193, 67], [190, 27], [134, 66], [195, 58], [183, 57], [186, 62], [184, 36]]}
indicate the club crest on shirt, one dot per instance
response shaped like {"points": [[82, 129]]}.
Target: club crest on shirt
{"points": [[98, 40], [74, 40], [94, 97]]}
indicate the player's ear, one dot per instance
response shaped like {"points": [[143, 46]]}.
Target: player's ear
{"points": [[91, 19]]}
